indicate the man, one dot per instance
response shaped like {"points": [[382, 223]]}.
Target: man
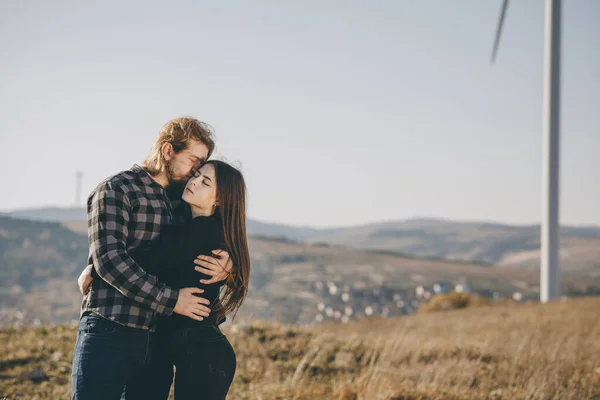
{"points": [[119, 312]]}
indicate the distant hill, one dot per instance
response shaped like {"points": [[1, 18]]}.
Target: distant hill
{"points": [[49, 214], [39, 265], [470, 241], [32, 251], [576, 254], [40, 261], [478, 242], [73, 215]]}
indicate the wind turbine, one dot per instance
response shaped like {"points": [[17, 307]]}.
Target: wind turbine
{"points": [[550, 226]]}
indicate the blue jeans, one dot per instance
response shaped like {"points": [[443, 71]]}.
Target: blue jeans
{"points": [[111, 360]]}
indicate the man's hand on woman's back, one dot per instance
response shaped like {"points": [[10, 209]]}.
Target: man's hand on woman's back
{"points": [[190, 305]]}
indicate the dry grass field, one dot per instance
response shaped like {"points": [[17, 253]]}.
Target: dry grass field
{"points": [[527, 351]]}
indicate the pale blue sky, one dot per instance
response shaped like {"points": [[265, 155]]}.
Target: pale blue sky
{"points": [[340, 112]]}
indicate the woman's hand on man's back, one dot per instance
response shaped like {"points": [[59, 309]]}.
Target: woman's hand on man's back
{"points": [[85, 279]]}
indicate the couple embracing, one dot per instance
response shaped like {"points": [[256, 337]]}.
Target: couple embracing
{"points": [[168, 261]]}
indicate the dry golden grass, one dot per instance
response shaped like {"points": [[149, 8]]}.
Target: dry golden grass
{"points": [[533, 351]]}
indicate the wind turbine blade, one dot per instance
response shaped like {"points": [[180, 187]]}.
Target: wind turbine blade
{"points": [[499, 31]]}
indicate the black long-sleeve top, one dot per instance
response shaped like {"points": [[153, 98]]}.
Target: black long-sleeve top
{"points": [[172, 260]]}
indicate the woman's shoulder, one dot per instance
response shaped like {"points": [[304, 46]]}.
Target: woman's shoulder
{"points": [[207, 226], [206, 221]]}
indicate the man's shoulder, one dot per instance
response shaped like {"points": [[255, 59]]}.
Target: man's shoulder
{"points": [[121, 178], [122, 182]]}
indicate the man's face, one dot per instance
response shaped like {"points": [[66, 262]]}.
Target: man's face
{"points": [[181, 165]]}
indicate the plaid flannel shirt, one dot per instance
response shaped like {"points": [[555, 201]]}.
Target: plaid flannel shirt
{"points": [[124, 212]]}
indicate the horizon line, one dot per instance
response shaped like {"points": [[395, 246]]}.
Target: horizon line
{"points": [[356, 225]]}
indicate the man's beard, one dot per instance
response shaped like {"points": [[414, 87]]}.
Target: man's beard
{"points": [[176, 184]]}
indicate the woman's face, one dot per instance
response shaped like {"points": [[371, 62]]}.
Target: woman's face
{"points": [[201, 189]]}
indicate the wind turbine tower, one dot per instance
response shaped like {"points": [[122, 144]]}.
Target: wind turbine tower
{"points": [[549, 288]]}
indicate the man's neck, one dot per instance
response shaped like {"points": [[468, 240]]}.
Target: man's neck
{"points": [[161, 179]]}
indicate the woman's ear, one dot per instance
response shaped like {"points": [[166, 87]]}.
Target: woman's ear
{"points": [[167, 151]]}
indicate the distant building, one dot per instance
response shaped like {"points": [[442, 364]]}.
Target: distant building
{"points": [[441, 287], [517, 296], [419, 291], [462, 288]]}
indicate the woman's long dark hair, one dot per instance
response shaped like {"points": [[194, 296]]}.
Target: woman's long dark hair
{"points": [[231, 199]]}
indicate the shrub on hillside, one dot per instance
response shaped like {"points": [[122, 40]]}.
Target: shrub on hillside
{"points": [[453, 301]]}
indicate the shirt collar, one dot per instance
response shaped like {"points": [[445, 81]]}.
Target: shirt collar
{"points": [[144, 176]]}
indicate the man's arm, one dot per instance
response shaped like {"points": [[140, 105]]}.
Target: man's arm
{"points": [[108, 216]]}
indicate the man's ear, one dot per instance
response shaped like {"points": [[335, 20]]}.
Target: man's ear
{"points": [[167, 151]]}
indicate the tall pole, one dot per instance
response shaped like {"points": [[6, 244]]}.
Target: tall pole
{"points": [[550, 221]]}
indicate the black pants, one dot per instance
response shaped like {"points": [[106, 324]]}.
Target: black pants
{"points": [[204, 360]]}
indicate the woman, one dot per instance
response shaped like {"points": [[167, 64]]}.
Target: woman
{"points": [[204, 359]]}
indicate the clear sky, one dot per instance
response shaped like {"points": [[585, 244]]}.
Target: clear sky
{"points": [[339, 112]]}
